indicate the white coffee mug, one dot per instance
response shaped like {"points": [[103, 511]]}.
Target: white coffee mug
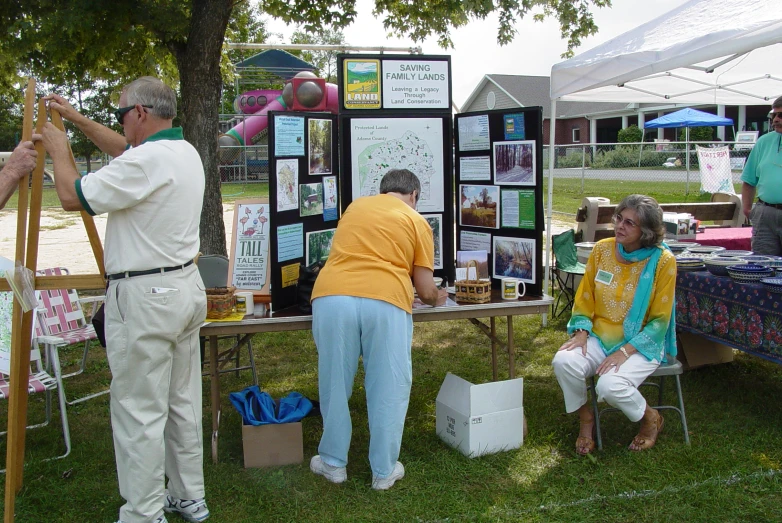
{"points": [[510, 289], [249, 306]]}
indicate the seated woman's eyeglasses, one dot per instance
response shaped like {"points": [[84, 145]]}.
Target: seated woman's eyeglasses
{"points": [[618, 220]]}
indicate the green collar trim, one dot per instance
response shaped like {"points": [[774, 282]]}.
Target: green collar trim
{"points": [[175, 133]]}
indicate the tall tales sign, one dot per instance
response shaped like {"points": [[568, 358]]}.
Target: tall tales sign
{"points": [[415, 84], [248, 267]]}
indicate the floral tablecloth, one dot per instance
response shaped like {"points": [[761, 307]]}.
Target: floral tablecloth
{"points": [[746, 316]]}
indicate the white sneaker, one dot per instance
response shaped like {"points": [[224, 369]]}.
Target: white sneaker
{"points": [[161, 519], [387, 483], [330, 472], [192, 510]]}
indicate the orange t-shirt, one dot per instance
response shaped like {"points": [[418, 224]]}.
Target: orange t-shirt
{"points": [[378, 242]]}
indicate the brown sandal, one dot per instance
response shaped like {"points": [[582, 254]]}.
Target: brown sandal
{"points": [[642, 442]]}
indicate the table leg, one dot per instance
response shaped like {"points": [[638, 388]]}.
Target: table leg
{"points": [[493, 349], [214, 371], [511, 350]]}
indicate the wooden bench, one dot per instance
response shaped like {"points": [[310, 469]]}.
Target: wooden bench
{"points": [[593, 219]]}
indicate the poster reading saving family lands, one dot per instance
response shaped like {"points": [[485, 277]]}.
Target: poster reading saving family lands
{"points": [[248, 267]]}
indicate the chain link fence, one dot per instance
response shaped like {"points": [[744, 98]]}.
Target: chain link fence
{"points": [[652, 162]]}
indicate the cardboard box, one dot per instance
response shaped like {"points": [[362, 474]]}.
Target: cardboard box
{"points": [[272, 445], [480, 419], [680, 226], [696, 351]]}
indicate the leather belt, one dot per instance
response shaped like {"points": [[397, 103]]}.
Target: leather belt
{"points": [[774, 205], [131, 274]]}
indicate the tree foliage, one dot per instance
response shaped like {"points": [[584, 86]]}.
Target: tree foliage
{"points": [[697, 134], [325, 62], [630, 134]]}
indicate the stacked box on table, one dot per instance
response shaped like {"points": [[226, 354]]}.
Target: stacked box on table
{"points": [[480, 419], [272, 444]]}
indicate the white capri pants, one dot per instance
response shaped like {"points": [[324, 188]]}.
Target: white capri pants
{"points": [[618, 388]]}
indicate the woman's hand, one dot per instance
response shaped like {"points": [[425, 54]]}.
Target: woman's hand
{"points": [[579, 339], [612, 362]]}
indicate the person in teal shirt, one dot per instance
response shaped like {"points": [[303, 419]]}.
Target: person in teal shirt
{"points": [[763, 174]]}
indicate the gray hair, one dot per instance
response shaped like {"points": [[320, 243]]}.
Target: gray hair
{"points": [[777, 102], [148, 90], [401, 181], [650, 217]]}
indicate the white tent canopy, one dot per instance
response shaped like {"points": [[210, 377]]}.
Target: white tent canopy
{"points": [[703, 52]]}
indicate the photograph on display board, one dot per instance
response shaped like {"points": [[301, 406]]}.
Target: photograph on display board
{"points": [[287, 184], [330, 198], [310, 199], [436, 223], [320, 146], [248, 262], [514, 163], [481, 259], [514, 258], [319, 245], [479, 205], [378, 145]]}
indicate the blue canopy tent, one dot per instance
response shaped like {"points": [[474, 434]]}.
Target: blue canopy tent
{"points": [[687, 118]]}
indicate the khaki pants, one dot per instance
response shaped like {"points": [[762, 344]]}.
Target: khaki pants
{"points": [[153, 351]]}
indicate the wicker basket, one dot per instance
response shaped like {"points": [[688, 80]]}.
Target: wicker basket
{"points": [[473, 291], [219, 302]]}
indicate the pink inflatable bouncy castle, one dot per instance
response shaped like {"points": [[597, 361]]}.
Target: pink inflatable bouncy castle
{"points": [[243, 133]]}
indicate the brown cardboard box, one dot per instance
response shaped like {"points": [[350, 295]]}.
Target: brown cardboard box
{"points": [[697, 351], [272, 445]]}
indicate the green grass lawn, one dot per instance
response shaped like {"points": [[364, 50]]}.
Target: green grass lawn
{"points": [[731, 472]]}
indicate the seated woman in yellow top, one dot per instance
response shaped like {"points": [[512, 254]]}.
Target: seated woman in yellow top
{"points": [[623, 323]]}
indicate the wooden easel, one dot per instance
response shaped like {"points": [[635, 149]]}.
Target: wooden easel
{"points": [[22, 323]]}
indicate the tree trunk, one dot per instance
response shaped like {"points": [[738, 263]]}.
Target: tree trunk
{"points": [[198, 62]]}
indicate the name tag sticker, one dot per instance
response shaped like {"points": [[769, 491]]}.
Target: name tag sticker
{"points": [[604, 277]]}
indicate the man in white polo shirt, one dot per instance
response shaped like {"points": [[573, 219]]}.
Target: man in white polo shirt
{"points": [[155, 302]]}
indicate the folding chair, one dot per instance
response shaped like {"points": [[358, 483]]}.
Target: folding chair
{"points": [[674, 369], [61, 323], [564, 270], [214, 272], [39, 379]]}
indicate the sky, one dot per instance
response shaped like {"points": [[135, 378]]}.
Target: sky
{"points": [[536, 47]]}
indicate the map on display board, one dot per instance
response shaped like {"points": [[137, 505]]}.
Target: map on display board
{"points": [[381, 144]]}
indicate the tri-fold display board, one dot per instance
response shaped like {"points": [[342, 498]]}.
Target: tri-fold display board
{"points": [[481, 187]]}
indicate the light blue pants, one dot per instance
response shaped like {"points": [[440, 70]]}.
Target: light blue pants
{"points": [[345, 328]]}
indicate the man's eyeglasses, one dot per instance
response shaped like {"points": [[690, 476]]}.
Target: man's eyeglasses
{"points": [[120, 113], [618, 220], [772, 115]]}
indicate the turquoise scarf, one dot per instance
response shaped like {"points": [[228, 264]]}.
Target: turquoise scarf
{"points": [[635, 316]]}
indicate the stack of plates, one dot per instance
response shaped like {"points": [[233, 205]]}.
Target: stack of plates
{"points": [[704, 250], [776, 262], [759, 260], [735, 253], [772, 284], [718, 265], [749, 273], [689, 264], [678, 247]]}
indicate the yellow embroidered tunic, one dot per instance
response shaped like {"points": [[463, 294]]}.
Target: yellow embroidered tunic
{"points": [[602, 303]]}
